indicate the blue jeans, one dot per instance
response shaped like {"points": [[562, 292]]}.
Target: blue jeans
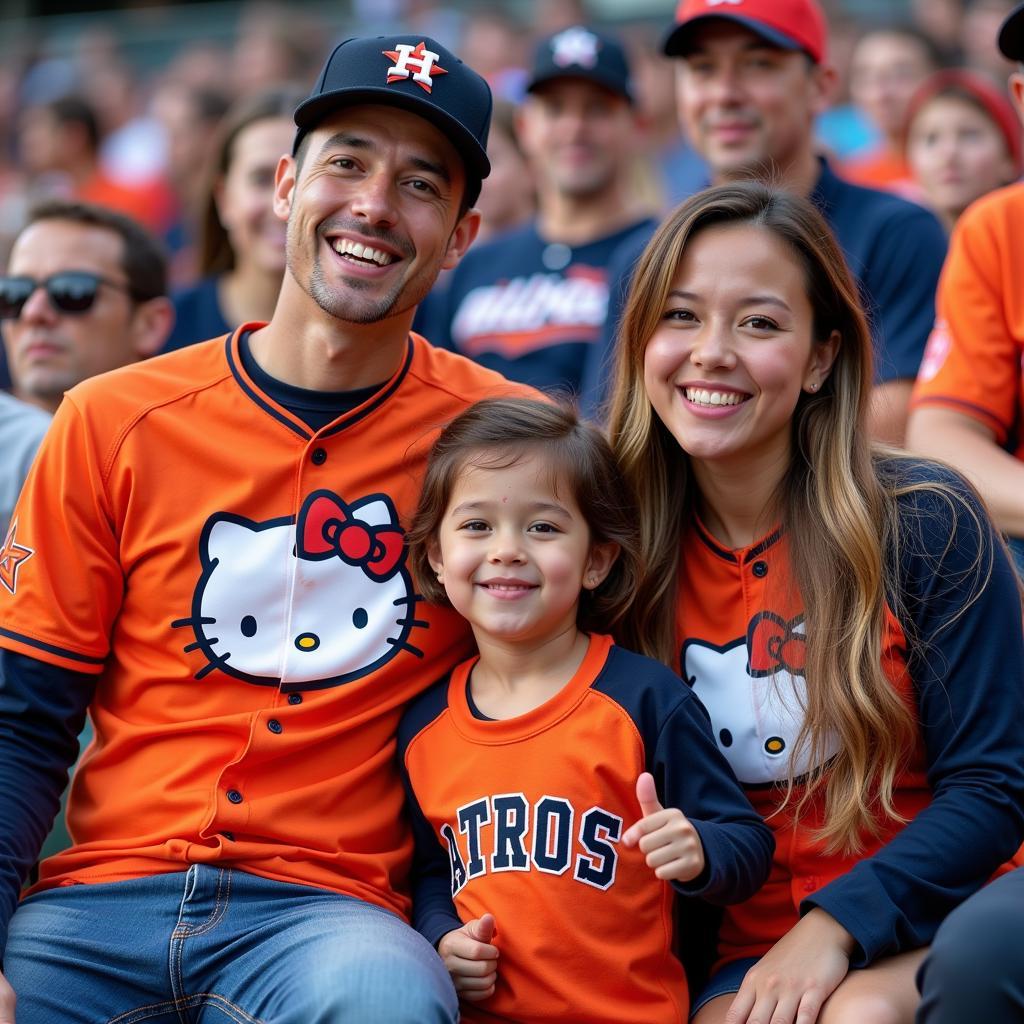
{"points": [[212, 945]]}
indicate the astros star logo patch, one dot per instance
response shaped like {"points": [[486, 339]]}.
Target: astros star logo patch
{"points": [[415, 62], [12, 554]]}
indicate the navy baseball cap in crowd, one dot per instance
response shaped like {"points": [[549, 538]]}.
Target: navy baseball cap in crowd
{"points": [[580, 52], [1011, 35], [414, 73]]}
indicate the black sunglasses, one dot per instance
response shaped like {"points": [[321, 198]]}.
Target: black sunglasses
{"points": [[70, 291]]}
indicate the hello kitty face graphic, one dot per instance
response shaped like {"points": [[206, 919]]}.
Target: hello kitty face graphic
{"points": [[314, 601], [755, 692]]}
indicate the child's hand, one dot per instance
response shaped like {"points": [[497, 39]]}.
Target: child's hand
{"points": [[471, 959], [672, 845]]}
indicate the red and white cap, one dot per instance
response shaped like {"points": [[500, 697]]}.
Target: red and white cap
{"points": [[788, 24]]}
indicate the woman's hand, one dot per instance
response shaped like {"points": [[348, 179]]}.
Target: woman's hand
{"points": [[793, 979]]}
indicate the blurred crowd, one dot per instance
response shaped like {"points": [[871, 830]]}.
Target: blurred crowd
{"points": [[917, 107], [92, 125]]}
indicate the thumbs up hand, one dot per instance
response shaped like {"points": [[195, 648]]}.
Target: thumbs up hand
{"points": [[471, 958], [672, 845]]}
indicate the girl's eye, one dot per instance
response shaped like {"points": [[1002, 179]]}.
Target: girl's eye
{"points": [[474, 525], [543, 528]]}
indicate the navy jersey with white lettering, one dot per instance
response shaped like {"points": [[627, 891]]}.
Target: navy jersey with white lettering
{"points": [[525, 307], [523, 818]]}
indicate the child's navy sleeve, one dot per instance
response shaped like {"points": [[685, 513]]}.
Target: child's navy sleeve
{"points": [[433, 909], [962, 613], [691, 773]]}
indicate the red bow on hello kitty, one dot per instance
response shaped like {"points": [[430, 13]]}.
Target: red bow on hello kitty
{"points": [[773, 644], [326, 527]]}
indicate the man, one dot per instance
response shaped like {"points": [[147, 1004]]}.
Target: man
{"points": [[968, 406], [85, 292], [59, 146], [751, 78], [531, 302], [210, 556]]}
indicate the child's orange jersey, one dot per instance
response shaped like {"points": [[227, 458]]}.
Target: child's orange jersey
{"points": [[239, 585], [742, 639], [522, 818], [974, 361]]}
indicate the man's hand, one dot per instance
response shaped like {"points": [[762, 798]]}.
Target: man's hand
{"points": [[469, 956], [673, 847]]}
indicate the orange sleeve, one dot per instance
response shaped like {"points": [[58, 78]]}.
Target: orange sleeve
{"points": [[972, 360], [62, 581]]}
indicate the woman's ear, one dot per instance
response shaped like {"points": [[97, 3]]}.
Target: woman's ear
{"points": [[823, 357], [599, 563]]}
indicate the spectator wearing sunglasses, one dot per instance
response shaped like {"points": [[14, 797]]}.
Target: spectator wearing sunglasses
{"points": [[85, 292]]}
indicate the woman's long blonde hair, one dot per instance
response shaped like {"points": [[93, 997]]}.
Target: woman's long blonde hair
{"points": [[838, 511]]}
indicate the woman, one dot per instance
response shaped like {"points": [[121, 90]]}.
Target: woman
{"points": [[241, 244], [846, 614], [962, 141]]}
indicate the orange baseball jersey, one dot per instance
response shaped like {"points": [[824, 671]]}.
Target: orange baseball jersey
{"points": [[742, 640], [523, 818], [239, 585], [974, 361]]}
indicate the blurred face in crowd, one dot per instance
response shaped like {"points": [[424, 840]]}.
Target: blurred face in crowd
{"points": [[48, 350], [39, 141], [956, 154], [245, 196], [746, 105], [578, 136], [885, 70]]}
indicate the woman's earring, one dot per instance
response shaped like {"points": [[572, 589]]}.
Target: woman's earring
{"points": [[812, 387]]}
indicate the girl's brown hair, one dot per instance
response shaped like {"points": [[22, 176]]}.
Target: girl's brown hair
{"points": [[839, 512], [496, 433]]}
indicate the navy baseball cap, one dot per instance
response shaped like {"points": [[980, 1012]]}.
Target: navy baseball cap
{"points": [[417, 74], [1011, 35], [580, 52]]}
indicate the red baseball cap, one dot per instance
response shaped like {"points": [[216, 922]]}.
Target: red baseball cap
{"points": [[788, 24]]}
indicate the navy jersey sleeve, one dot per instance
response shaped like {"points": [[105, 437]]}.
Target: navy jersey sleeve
{"points": [[962, 614], [433, 909], [900, 276], [691, 773], [42, 711]]}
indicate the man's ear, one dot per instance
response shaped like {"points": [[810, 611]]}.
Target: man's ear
{"points": [[284, 186], [1017, 92], [461, 238], [152, 322], [826, 85]]}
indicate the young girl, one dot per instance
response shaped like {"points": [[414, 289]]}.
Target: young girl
{"points": [[847, 615], [557, 782]]}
